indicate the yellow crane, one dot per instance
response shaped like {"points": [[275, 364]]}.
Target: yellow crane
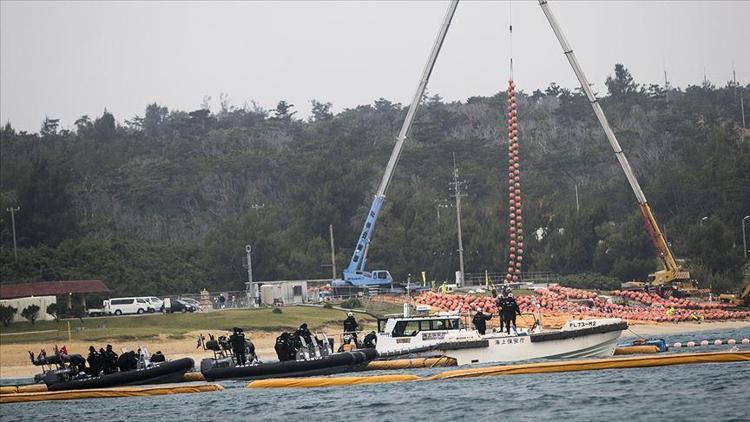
{"points": [[672, 276]]}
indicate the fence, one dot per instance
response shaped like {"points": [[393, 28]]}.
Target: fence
{"points": [[534, 277]]}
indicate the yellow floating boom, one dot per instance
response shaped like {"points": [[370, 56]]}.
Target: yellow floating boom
{"points": [[597, 364], [530, 368], [329, 382], [108, 393]]}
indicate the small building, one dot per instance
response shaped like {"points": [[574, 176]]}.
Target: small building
{"points": [[289, 292], [44, 293]]}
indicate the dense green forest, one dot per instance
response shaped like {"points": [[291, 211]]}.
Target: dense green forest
{"points": [[165, 202]]}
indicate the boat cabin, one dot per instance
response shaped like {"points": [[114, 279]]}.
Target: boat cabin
{"points": [[411, 326]]}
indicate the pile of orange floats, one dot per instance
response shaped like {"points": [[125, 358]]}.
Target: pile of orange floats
{"points": [[654, 299], [586, 304]]}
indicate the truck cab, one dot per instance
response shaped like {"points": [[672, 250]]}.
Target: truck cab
{"points": [[378, 278]]}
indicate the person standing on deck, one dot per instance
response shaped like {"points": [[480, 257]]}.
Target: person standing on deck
{"points": [[480, 321], [510, 310], [350, 327]]}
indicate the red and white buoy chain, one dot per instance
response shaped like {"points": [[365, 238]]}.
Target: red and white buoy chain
{"points": [[515, 257], [717, 342]]}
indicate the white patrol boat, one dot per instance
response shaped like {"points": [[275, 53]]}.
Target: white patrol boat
{"points": [[447, 335]]}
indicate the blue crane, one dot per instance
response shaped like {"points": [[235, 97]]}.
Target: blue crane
{"points": [[355, 273]]}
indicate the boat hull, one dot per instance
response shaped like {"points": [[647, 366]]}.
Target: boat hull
{"points": [[331, 364], [597, 342], [167, 372]]}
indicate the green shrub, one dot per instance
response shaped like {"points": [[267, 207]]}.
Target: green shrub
{"points": [[31, 312], [6, 314], [351, 303], [277, 310], [327, 306], [56, 310], [591, 281]]}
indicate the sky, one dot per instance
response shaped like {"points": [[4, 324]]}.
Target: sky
{"points": [[67, 59]]}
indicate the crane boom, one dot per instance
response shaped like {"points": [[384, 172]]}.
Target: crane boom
{"points": [[359, 256], [672, 268]]}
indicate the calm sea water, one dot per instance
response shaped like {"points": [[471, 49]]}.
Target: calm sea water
{"points": [[716, 392]]}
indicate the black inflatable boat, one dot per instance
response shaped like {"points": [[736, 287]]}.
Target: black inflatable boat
{"points": [[213, 369], [161, 373]]}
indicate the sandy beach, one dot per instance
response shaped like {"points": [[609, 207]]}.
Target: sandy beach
{"points": [[14, 358]]}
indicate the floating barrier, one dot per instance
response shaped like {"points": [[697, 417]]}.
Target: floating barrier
{"points": [[636, 350], [717, 342], [598, 364], [108, 393], [27, 388], [443, 361], [193, 376], [329, 382], [530, 368]]}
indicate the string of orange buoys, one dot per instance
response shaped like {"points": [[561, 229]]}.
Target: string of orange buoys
{"points": [[515, 255]]}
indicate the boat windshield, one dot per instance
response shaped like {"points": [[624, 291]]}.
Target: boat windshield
{"points": [[409, 328]]}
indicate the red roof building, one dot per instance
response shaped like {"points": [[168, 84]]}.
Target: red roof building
{"points": [[52, 288]]}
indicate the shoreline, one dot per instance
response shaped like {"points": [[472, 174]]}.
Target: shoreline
{"points": [[14, 360]]}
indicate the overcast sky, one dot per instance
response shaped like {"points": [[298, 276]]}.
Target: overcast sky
{"points": [[67, 59]]}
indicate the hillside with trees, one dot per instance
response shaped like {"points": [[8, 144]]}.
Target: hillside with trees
{"points": [[165, 202]]}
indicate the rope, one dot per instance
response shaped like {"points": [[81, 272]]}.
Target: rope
{"points": [[510, 34]]}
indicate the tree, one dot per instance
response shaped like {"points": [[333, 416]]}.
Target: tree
{"points": [[56, 310], [84, 126], [622, 83], [31, 312], [321, 111], [154, 118], [49, 127], [104, 127], [6, 314], [283, 111]]}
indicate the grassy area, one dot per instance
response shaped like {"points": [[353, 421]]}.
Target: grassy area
{"points": [[172, 325]]}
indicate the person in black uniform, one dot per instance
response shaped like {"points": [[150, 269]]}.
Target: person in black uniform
{"points": [[499, 304], [371, 340], [237, 340], [157, 357], [480, 321], [95, 362], [110, 360], [304, 333], [350, 327], [510, 310]]}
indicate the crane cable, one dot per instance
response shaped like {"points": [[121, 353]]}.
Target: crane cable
{"points": [[515, 221]]}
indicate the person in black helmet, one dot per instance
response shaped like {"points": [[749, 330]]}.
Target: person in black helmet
{"points": [[110, 360], [350, 327], [480, 321], [304, 333], [499, 305], [371, 340], [95, 362], [510, 310], [237, 340]]}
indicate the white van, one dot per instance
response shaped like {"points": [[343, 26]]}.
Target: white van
{"points": [[127, 305], [154, 301]]}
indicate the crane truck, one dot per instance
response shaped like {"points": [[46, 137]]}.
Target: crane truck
{"points": [[356, 274], [672, 276]]}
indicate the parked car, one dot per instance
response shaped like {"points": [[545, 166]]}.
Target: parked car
{"points": [[191, 301], [157, 303], [127, 305], [178, 305]]}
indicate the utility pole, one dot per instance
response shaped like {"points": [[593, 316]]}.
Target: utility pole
{"points": [[744, 238], [742, 102], [253, 289], [13, 212], [333, 253], [457, 192]]}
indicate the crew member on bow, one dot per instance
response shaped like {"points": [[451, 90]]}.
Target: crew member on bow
{"points": [[480, 321]]}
